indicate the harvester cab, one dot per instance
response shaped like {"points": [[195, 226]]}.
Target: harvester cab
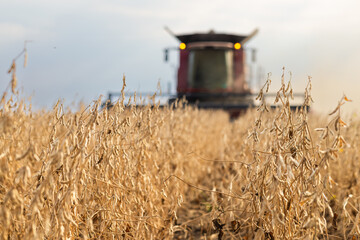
{"points": [[212, 70]]}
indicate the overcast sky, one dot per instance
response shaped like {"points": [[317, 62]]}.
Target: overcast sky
{"points": [[81, 49]]}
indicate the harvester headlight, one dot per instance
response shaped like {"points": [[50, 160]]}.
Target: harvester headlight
{"points": [[237, 46], [182, 46]]}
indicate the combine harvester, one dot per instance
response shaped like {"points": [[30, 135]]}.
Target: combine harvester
{"points": [[212, 72]]}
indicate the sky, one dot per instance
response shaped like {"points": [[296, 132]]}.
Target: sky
{"points": [[81, 49]]}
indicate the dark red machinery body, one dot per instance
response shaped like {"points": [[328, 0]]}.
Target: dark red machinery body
{"points": [[183, 72], [212, 70]]}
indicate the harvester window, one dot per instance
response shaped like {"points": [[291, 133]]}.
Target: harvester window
{"points": [[210, 69]]}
